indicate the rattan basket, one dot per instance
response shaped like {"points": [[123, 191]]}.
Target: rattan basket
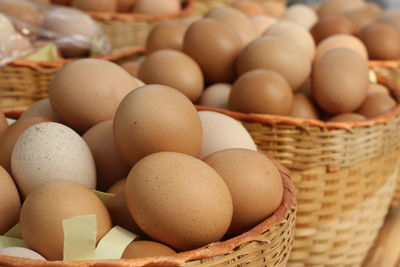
{"points": [[344, 173], [25, 82]]}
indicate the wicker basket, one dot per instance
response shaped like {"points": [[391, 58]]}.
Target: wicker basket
{"points": [[25, 82], [345, 175]]}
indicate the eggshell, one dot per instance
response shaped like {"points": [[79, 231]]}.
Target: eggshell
{"points": [[361, 17], [277, 54], [174, 69], [347, 117], [303, 107], [21, 253], [223, 132], [132, 67], [81, 87], [41, 108], [166, 35], [214, 46], [302, 15], [295, 33], [331, 25], [126, 5], [118, 187], [262, 23], [51, 151], [250, 8], [157, 7], [110, 166], [261, 91], [274, 8], [141, 249], [3, 123], [96, 5], [391, 17], [169, 196], [44, 210], [377, 88], [340, 81], [235, 19], [216, 96], [156, 118], [382, 41], [333, 7], [376, 104], [23, 10], [10, 202]]}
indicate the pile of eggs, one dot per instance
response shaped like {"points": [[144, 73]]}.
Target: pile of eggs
{"points": [[181, 179], [264, 58]]}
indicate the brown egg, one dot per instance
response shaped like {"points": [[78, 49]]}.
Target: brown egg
{"points": [[377, 104], [303, 107], [132, 67], [391, 17], [331, 25], [166, 35], [214, 46], [280, 55], [169, 196], [254, 182], [216, 96], [274, 8], [118, 187], [126, 6], [110, 167], [261, 91], [302, 15], [156, 118], [24, 10], [346, 117], [382, 41], [3, 123], [81, 87], [263, 22], [141, 249], [340, 81], [44, 210], [96, 5], [361, 17], [378, 88], [377, 9], [157, 7], [335, 7], [10, 202], [43, 109], [10, 137], [174, 69], [250, 8], [341, 41], [235, 19], [189, 20]]}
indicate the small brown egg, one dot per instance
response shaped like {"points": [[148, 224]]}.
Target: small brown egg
{"points": [[263, 22], [261, 91], [178, 123], [331, 25], [340, 81], [141, 249], [166, 35], [23, 10], [216, 96], [250, 8], [126, 6], [347, 117], [43, 109], [361, 17], [377, 104], [214, 46], [174, 69], [279, 55], [21, 253], [341, 41], [303, 107], [132, 67], [3, 123], [274, 8], [302, 15], [157, 7], [382, 41], [378, 88], [10, 202], [169, 196], [81, 87], [43, 212], [96, 5], [336, 7], [118, 187], [391, 17], [110, 167]]}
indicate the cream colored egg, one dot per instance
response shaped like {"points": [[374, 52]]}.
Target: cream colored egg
{"points": [[157, 7], [216, 96], [302, 15], [263, 22]]}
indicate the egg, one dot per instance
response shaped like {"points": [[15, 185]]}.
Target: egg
{"points": [[295, 33], [156, 118], [261, 91], [10, 202], [3, 123], [250, 8], [10, 137], [23, 10], [214, 46], [141, 249], [166, 35], [41, 108], [174, 69], [331, 25], [125, 6], [376, 104], [96, 5], [382, 41], [279, 55], [361, 17], [169, 195], [44, 210], [262, 23], [110, 166], [341, 41], [334, 7], [376, 8], [391, 17], [51, 151], [132, 67], [340, 81], [21, 253], [254, 182], [303, 107], [156, 7], [6, 28], [216, 96], [274, 8], [302, 15], [235, 19], [378, 88], [223, 132], [189, 20], [118, 187], [348, 117], [81, 87]]}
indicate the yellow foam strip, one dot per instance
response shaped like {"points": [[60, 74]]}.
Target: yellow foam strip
{"points": [[14, 232], [48, 52], [6, 241], [372, 77], [104, 197], [10, 121], [114, 243]]}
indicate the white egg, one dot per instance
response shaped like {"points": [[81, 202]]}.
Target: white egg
{"points": [[216, 96], [302, 15]]}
